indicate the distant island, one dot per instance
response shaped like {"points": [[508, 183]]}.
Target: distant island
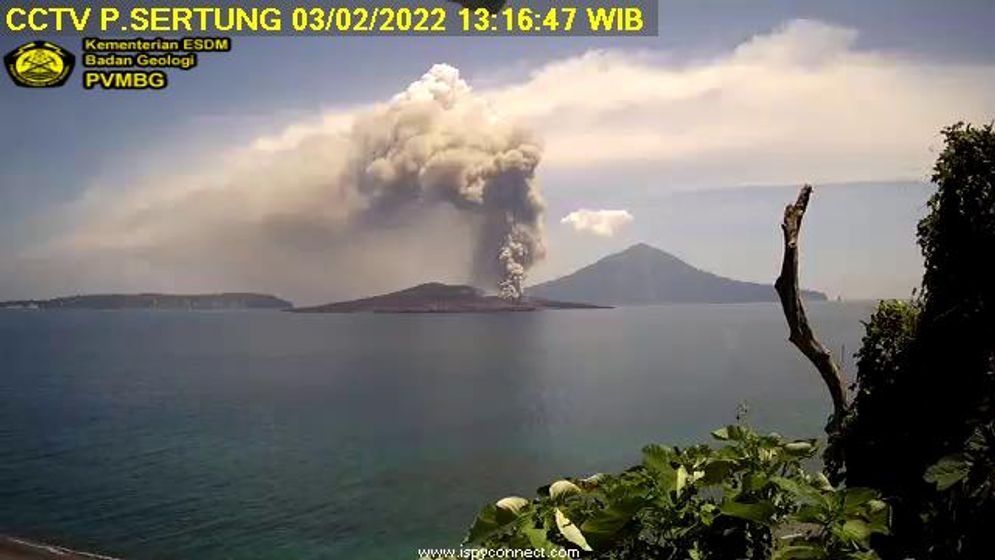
{"points": [[639, 275], [435, 297], [197, 302], [644, 275]]}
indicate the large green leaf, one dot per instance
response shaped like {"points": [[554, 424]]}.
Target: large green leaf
{"points": [[878, 516], [802, 448], [801, 491], [733, 433], [538, 540], [948, 471], [754, 481], [604, 524], [707, 513], [658, 460], [570, 531], [562, 489], [791, 486], [809, 513], [496, 516], [717, 470], [854, 499], [658, 457], [592, 481], [856, 530], [512, 504], [488, 521], [681, 479], [822, 482], [758, 512]]}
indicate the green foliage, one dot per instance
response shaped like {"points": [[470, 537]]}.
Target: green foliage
{"points": [[970, 472], [750, 498], [887, 336], [958, 234], [920, 432], [868, 432], [958, 521], [920, 427]]}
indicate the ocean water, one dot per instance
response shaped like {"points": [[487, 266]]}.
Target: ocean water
{"points": [[267, 435]]}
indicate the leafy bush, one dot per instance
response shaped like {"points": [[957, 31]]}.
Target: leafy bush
{"points": [[958, 234], [924, 410], [920, 432], [868, 432], [751, 498], [958, 523]]}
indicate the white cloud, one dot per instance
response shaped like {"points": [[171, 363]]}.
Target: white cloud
{"points": [[800, 103], [604, 223]]}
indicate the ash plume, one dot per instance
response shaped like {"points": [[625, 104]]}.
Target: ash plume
{"points": [[431, 185], [437, 143]]}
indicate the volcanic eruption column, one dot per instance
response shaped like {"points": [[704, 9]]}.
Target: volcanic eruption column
{"points": [[438, 143]]}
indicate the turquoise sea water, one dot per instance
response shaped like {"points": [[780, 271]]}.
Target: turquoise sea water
{"points": [[252, 435]]}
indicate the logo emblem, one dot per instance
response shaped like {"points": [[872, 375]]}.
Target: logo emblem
{"points": [[39, 64]]}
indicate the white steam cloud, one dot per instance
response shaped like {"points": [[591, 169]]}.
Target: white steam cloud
{"points": [[603, 223], [803, 102]]}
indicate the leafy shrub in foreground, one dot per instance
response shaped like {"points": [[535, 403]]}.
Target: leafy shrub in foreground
{"points": [[750, 498]]}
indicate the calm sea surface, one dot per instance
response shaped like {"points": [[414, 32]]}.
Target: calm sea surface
{"points": [[244, 435]]}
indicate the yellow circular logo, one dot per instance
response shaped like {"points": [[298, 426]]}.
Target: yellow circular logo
{"points": [[39, 64]]}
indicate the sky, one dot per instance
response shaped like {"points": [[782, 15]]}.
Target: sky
{"points": [[691, 141]]}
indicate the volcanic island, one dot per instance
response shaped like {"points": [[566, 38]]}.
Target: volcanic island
{"points": [[435, 297]]}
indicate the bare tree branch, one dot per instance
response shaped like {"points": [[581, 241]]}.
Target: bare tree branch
{"points": [[801, 334]]}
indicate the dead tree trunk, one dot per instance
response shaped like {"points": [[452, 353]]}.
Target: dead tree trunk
{"points": [[801, 334]]}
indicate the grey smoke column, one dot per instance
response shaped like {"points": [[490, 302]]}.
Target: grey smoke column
{"points": [[438, 143]]}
